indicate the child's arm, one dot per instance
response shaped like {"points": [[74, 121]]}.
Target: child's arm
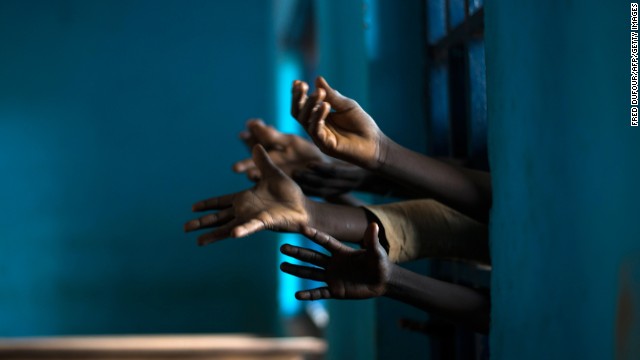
{"points": [[368, 272], [350, 134]]}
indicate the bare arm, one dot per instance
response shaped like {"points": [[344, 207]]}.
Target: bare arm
{"points": [[460, 304], [350, 134], [367, 273], [466, 190]]}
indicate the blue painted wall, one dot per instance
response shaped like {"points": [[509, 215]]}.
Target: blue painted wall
{"points": [[565, 178], [114, 117]]}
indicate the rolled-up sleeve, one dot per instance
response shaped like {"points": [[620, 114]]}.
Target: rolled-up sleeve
{"points": [[425, 228]]}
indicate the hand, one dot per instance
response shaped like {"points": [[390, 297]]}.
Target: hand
{"points": [[349, 273], [275, 203], [289, 152], [348, 133]]}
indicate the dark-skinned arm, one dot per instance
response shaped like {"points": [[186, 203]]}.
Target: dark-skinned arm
{"points": [[466, 190], [350, 134], [367, 273], [457, 303]]}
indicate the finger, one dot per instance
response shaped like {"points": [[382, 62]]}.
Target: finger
{"points": [[216, 203], [263, 162], [314, 294], [307, 255], [305, 272], [254, 174], [220, 233], [267, 136], [243, 165], [317, 119], [247, 138], [298, 97], [337, 100], [313, 100], [253, 121], [248, 228], [209, 220], [323, 239]]}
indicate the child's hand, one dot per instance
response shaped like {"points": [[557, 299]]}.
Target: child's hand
{"points": [[275, 203], [349, 273], [290, 153], [348, 133]]}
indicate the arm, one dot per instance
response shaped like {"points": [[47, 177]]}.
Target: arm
{"points": [[367, 273], [457, 303], [466, 190], [331, 179], [275, 203], [350, 134]]}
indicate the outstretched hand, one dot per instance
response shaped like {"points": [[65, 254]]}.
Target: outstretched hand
{"points": [[348, 133], [349, 273], [289, 152], [275, 203]]}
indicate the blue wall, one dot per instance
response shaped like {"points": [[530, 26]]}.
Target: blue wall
{"points": [[114, 117], [565, 169], [394, 38]]}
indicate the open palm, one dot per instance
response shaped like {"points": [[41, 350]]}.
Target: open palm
{"points": [[275, 203], [349, 273]]}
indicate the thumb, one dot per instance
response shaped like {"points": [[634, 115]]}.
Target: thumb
{"points": [[337, 101], [263, 162], [370, 240]]}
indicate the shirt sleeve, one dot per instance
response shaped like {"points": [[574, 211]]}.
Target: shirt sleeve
{"points": [[425, 228]]}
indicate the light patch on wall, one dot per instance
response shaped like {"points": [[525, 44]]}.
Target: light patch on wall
{"points": [[288, 70]]}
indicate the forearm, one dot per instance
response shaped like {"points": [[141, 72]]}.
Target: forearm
{"points": [[465, 190], [377, 184], [346, 223], [462, 305]]}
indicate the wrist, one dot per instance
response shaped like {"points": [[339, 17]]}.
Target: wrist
{"points": [[311, 208], [385, 148], [392, 282]]}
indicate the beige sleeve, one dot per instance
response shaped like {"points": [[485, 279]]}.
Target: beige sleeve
{"points": [[425, 228]]}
